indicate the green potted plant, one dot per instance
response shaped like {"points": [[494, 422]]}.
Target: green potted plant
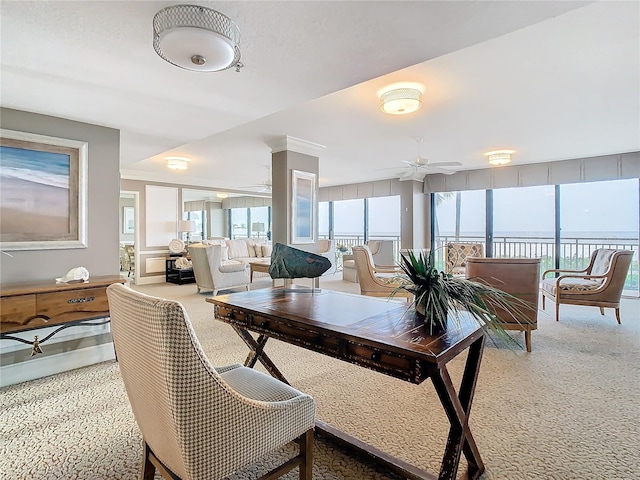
{"points": [[438, 295]]}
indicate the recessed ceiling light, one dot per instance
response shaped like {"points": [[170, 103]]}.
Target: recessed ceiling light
{"points": [[222, 195], [177, 163], [499, 157]]}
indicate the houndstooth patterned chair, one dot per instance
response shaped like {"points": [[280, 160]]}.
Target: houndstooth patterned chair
{"points": [[198, 421]]}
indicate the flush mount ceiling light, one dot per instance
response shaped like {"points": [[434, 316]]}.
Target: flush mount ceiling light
{"points": [[177, 163], [222, 195], [499, 157], [400, 101], [196, 38]]}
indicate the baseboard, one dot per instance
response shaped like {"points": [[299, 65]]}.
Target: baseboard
{"points": [[150, 280], [43, 366]]}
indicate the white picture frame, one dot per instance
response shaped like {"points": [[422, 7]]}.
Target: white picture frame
{"points": [[303, 197], [43, 182]]}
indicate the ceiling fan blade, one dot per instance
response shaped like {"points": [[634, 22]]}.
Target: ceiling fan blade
{"points": [[445, 164], [444, 171]]}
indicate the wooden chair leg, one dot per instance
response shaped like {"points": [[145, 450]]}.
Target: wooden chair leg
{"points": [[601, 310], [618, 315], [306, 450], [557, 309], [148, 468], [527, 340], [543, 299]]}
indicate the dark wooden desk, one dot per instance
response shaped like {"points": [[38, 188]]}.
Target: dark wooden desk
{"points": [[375, 334]]}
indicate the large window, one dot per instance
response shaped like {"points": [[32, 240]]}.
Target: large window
{"points": [[348, 218], [260, 222], [239, 222], [459, 217], [534, 222], [383, 220], [524, 223], [595, 215], [323, 219]]}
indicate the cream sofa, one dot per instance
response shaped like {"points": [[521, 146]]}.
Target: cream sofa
{"points": [[246, 250]]}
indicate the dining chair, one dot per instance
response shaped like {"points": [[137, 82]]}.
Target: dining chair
{"points": [[200, 422]]}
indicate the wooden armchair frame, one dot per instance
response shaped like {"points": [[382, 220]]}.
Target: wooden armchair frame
{"points": [[606, 295]]}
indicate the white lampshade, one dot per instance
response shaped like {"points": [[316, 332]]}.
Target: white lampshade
{"points": [[499, 157], [257, 227], [187, 226], [400, 101]]}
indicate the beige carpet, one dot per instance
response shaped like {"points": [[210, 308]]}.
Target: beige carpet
{"points": [[568, 410]]}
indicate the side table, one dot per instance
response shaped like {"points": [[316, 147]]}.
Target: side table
{"points": [[178, 276]]}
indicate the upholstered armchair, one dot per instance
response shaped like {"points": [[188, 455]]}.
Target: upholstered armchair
{"points": [[456, 255], [200, 422], [214, 273], [599, 285], [376, 280], [382, 253], [327, 248], [519, 277]]}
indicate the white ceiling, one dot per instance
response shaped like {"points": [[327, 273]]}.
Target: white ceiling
{"points": [[552, 80]]}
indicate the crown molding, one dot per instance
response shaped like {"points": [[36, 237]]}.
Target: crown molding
{"points": [[292, 144]]}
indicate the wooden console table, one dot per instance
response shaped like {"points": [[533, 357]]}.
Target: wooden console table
{"points": [[375, 334], [27, 306]]}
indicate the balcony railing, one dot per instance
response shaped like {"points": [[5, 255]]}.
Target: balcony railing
{"points": [[574, 252]]}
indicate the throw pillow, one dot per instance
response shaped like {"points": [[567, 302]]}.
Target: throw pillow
{"points": [[266, 250], [251, 248], [238, 248]]}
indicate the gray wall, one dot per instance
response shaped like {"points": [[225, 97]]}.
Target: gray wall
{"points": [[101, 255], [282, 165]]}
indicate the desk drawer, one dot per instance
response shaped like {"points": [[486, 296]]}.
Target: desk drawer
{"points": [[238, 316], [67, 306], [17, 312], [382, 360], [305, 337]]}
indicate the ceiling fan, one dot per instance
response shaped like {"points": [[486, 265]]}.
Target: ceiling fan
{"points": [[424, 165], [263, 186]]}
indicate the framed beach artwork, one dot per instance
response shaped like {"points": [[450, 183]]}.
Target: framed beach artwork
{"points": [[43, 191], [303, 194]]}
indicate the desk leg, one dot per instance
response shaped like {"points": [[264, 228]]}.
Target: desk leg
{"points": [[257, 353], [458, 407]]}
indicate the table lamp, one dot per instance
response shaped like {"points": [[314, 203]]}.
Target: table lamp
{"points": [[187, 226], [257, 227]]}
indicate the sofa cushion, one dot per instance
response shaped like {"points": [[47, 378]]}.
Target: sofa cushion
{"points": [[237, 248], [570, 284]]}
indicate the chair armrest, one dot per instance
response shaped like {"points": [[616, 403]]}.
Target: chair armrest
{"points": [[382, 268], [584, 277], [560, 270], [232, 267]]}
